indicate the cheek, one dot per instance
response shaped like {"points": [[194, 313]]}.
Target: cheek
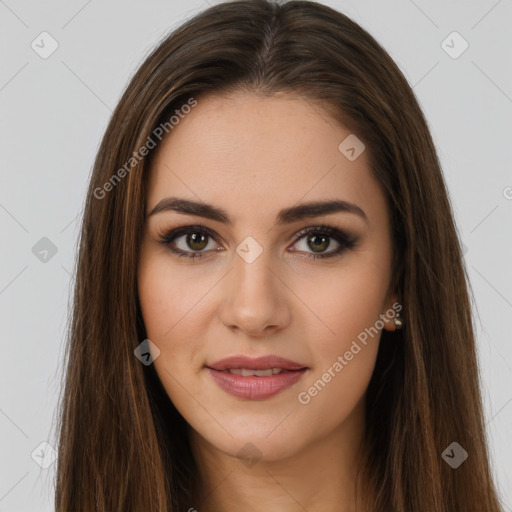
{"points": [[344, 343], [344, 365], [175, 308], [343, 306], [169, 297]]}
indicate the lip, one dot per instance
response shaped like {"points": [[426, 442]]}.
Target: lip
{"points": [[255, 363], [254, 387]]}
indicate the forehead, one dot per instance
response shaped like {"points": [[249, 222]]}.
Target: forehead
{"points": [[251, 154]]}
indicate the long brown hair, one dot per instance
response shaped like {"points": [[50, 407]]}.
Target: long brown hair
{"points": [[122, 445]]}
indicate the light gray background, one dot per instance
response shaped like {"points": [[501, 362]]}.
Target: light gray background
{"points": [[54, 111]]}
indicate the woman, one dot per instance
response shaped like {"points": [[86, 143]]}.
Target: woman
{"points": [[271, 310]]}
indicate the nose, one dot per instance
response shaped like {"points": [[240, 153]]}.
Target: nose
{"points": [[255, 297]]}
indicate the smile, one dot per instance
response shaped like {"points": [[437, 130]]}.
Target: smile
{"points": [[246, 372], [255, 378]]}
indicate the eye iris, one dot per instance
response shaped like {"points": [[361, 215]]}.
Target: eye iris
{"points": [[320, 242], [197, 238]]}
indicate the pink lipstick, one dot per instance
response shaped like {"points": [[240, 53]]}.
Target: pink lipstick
{"points": [[255, 378]]}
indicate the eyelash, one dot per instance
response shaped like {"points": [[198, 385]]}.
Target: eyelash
{"points": [[346, 241]]}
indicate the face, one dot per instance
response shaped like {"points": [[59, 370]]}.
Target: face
{"points": [[257, 275]]}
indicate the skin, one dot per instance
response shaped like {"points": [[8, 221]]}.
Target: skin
{"points": [[253, 156]]}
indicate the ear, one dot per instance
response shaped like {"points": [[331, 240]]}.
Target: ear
{"points": [[392, 306]]}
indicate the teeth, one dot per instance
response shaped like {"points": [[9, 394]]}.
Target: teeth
{"points": [[263, 373], [244, 372]]}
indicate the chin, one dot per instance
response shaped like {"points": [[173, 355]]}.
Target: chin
{"points": [[253, 444]]}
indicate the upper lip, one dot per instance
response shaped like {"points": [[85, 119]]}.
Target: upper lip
{"points": [[255, 363]]}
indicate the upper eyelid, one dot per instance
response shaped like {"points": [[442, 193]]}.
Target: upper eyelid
{"points": [[212, 232]]}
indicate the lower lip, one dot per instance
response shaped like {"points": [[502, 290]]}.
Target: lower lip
{"points": [[253, 387]]}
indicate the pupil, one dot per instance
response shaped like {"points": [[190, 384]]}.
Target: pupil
{"points": [[319, 245], [196, 238]]}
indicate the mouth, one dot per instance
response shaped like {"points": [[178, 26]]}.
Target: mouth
{"points": [[255, 378], [263, 363], [246, 372]]}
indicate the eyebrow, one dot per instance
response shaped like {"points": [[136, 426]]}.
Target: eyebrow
{"points": [[285, 216]]}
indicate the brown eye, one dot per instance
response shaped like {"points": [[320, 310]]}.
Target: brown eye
{"points": [[318, 239], [188, 241], [197, 241], [318, 242]]}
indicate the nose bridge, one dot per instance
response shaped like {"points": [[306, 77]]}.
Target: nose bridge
{"points": [[253, 273], [255, 299], [253, 267]]}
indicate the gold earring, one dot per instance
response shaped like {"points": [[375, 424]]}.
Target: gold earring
{"points": [[398, 321]]}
